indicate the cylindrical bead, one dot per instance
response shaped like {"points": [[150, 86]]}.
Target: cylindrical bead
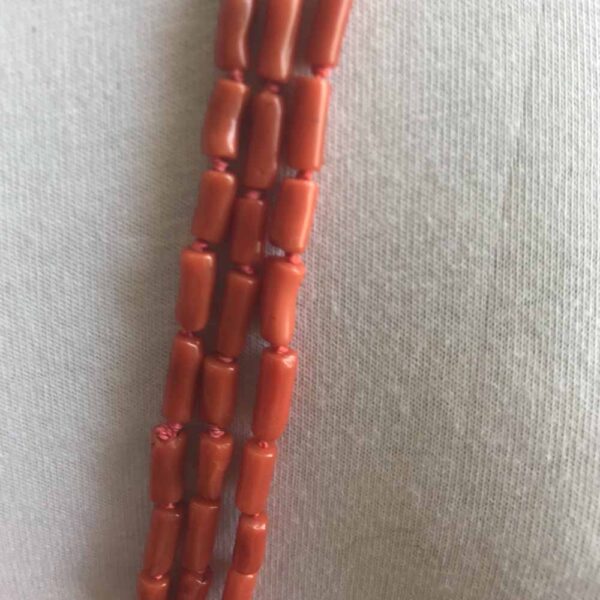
{"points": [[222, 121], [193, 586], [265, 137], [307, 123], [239, 586], [239, 300], [250, 543], [248, 231], [276, 379], [149, 588], [293, 215], [213, 211], [276, 52], [327, 32], [165, 524], [281, 281], [182, 378], [256, 473], [166, 465], [196, 283], [219, 391], [231, 43], [201, 532], [214, 456]]}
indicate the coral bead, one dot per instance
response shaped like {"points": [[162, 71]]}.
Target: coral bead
{"points": [[193, 586], [213, 211], [307, 123], [165, 524], [201, 532], [248, 231], [196, 284], [231, 43], [223, 117], [214, 456], [327, 32], [219, 391], [279, 39], [239, 300], [256, 473], [166, 465], [265, 137], [293, 215], [239, 586], [275, 386], [182, 378], [149, 588], [250, 543], [281, 282]]}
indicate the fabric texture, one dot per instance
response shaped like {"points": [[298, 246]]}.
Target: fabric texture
{"points": [[444, 439]]}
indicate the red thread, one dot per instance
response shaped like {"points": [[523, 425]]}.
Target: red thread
{"points": [[225, 359], [254, 194], [237, 75], [215, 432], [272, 87], [304, 175], [295, 259], [263, 444], [167, 431], [199, 245], [321, 72], [281, 349], [246, 269], [219, 164]]}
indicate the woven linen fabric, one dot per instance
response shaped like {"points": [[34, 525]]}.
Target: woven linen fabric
{"points": [[444, 442]]}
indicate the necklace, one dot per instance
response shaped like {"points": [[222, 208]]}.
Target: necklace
{"points": [[217, 211]]}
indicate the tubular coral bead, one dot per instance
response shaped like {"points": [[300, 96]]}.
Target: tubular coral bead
{"points": [[239, 300], [279, 39], [196, 283], [250, 542], [214, 456], [149, 588], [307, 123], [265, 137], [281, 282], [327, 32], [165, 524], [213, 211], [231, 43], [182, 378], [274, 394], [239, 586], [166, 465], [256, 473], [219, 391], [201, 532], [193, 586], [222, 121], [293, 215], [248, 231]]}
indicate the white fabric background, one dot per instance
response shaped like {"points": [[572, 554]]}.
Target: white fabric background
{"points": [[444, 443]]}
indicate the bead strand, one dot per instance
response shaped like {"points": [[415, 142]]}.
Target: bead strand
{"points": [[196, 285], [289, 230]]}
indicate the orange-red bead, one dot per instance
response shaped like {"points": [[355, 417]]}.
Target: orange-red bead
{"points": [[219, 391], [250, 543], [239, 586], [196, 284], [213, 211], [201, 532], [222, 121], [231, 44], [166, 465], [248, 231], [239, 300], [165, 524], [279, 39], [274, 394], [327, 32], [214, 456], [307, 123], [256, 473], [281, 282], [293, 215], [182, 378], [193, 586], [149, 588], [265, 137]]}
